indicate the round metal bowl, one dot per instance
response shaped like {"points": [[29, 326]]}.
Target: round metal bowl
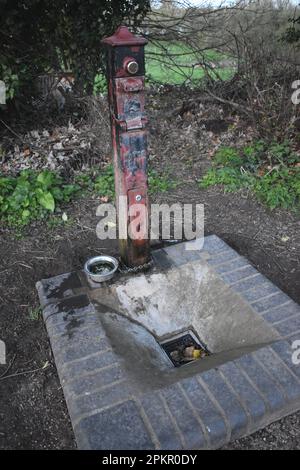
{"points": [[101, 268]]}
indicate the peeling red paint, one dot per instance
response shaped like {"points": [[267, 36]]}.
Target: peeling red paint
{"points": [[129, 136]]}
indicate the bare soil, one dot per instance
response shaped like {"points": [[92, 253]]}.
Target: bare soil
{"points": [[33, 413]]}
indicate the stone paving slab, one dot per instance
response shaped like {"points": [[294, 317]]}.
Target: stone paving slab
{"points": [[203, 411]]}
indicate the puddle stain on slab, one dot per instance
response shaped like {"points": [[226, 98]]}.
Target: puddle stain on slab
{"points": [[192, 295]]}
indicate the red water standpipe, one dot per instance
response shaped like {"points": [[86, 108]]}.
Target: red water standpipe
{"points": [[126, 94]]}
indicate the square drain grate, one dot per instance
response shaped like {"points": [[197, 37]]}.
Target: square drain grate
{"points": [[184, 348]]}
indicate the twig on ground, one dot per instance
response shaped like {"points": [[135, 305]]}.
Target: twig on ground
{"points": [[11, 130], [25, 372], [16, 262], [9, 366], [25, 265], [85, 227]]}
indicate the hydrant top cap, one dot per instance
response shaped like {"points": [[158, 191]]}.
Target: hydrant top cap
{"points": [[123, 37]]}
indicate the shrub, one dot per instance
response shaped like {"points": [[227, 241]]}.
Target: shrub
{"points": [[43, 35]]}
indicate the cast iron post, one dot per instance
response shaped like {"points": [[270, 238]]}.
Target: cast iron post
{"points": [[126, 80]]}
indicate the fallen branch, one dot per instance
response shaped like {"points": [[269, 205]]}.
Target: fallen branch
{"points": [[242, 109]]}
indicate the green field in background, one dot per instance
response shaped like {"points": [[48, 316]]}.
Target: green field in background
{"points": [[173, 63]]}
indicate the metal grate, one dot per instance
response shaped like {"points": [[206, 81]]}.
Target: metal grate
{"points": [[184, 348]]}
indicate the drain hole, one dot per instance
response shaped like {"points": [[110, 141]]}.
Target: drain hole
{"points": [[184, 348]]}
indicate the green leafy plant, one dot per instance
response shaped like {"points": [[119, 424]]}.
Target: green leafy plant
{"points": [[228, 156], [158, 183], [279, 188], [230, 177], [100, 84], [269, 170], [59, 220], [32, 196], [104, 183], [35, 313]]}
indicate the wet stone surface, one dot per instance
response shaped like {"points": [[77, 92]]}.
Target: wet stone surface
{"points": [[121, 389]]}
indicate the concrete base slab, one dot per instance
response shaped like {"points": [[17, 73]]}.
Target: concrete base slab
{"points": [[193, 296], [121, 389]]}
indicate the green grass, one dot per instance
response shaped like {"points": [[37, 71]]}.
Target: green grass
{"points": [[173, 63], [175, 66]]}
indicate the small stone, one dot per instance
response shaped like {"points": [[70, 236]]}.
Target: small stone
{"points": [[189, 351], [175, 355]]}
